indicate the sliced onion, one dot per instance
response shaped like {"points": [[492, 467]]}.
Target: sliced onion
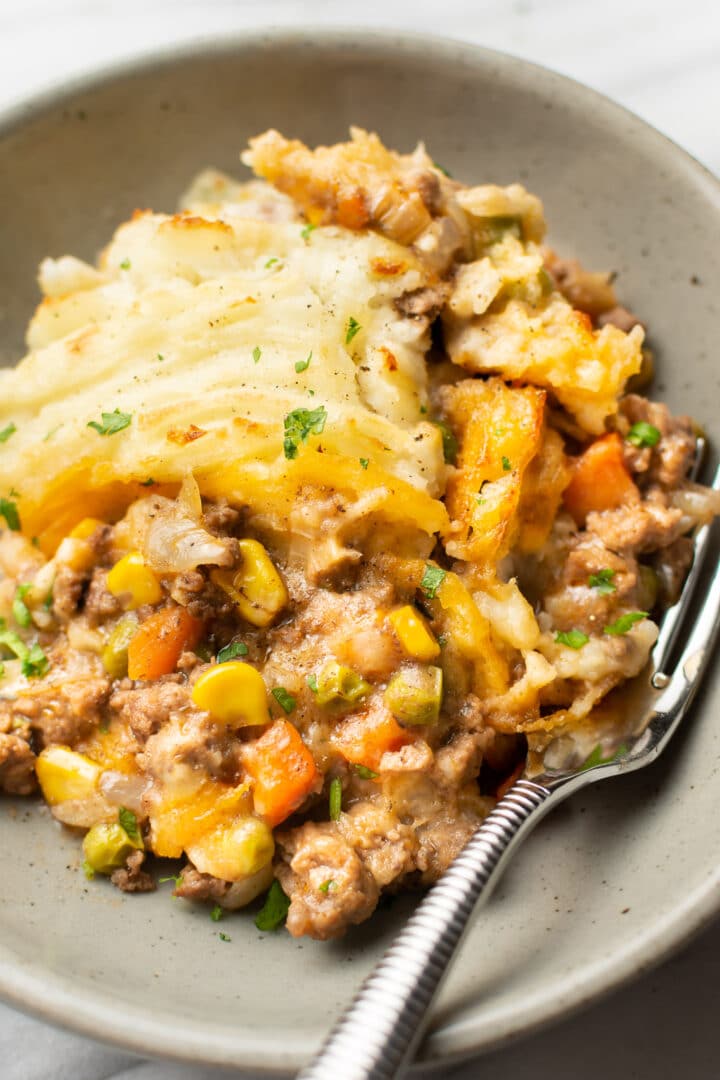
{"points": [[170, 539], [698, 503], [120, 789]]}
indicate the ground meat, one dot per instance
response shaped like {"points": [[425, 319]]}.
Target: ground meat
{"points": [[193, 591], [618, 316], [101, 542], [221, 519], [573, 603], [671, 566], [131, 877], [100, 604], [67, 590], [62, 711], [639, 527], [145, 708], [196, 886], [17, 765], [426, 302], [667, 463], [189, 744], [329, 887], [586, 290]]}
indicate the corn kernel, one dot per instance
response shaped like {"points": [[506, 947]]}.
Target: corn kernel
{"points": [[256, 589], [130, 576], [85, 528], [235, 851], [234, 693], [413, 634], [64, 774], [106, 847]]}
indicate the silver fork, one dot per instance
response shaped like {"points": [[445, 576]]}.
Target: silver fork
{"points": [[377, 1035]]}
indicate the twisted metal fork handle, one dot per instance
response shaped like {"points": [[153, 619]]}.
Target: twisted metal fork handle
{"points": [[379, 1031]]}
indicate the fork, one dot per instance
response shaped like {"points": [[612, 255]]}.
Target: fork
{"points": [[375, 1038]]}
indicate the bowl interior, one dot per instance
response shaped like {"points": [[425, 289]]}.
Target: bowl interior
{"points": [[620, 873]]}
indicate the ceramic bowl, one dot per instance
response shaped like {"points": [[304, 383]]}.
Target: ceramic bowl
{"points": [[622, 873]]}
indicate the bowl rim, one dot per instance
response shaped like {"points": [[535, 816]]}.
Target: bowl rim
{"points": [[57, 999]]}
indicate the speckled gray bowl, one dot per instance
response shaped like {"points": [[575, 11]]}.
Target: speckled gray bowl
{"points": [[618, 876]]}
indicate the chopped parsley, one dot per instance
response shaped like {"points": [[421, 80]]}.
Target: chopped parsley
{"points": [[130, 824], [20, 610], [603, 581], [7, 432], [148, 483], [423, 410], [125, 264], [574, 639], [224, 937], [177, 878], [364, 462], [442, 169], [299, 425], [327, 886], [51, 432], [364, 773], [449, 442], [335, 799], [432, 579], [9, 510], [256, 354], [35, 663], [271, 262], [160, 357], [303, 365], [112, 422], [625, 622], [88, 870], [506, 463], [643, 434], [217, 913], [312, 683], [285, 700], [273, 912], [235, 648], [353, 327], [305, 232]]}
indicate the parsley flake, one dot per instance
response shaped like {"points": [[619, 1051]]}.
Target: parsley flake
{"points": [[506, 463], [271, 262], [299, 425], [432, 579], [303, 365], [597, 757], [129, 823], [312, 683], [217, 913], [7, 432], [327, 886], [177, 878], [603, 581], [305, 232], [335, 798], [285, 700], [449, 442], [35, 664], [148, 483], [20, 610], [125, 264], [235, 648], [9, 510], [112, 422], [273, 912], [364, 773], [160, 358], [256, 354], [224, 937], [353, 327], [574, 639], [364, 462], [643, 434], [625, 622]]}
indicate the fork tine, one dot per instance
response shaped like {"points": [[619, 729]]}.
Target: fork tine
{"points": [[672, 620]]}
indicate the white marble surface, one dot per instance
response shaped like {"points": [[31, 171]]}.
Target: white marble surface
{"points": [[661, 59]]}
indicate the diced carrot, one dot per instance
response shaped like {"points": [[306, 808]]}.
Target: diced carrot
{"points": [[600, 479], [507, 783], [364, 738], [159, 641], [283, 771]]}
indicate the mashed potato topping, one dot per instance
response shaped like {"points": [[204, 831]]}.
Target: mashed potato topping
{"points": [[323, 495]]}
